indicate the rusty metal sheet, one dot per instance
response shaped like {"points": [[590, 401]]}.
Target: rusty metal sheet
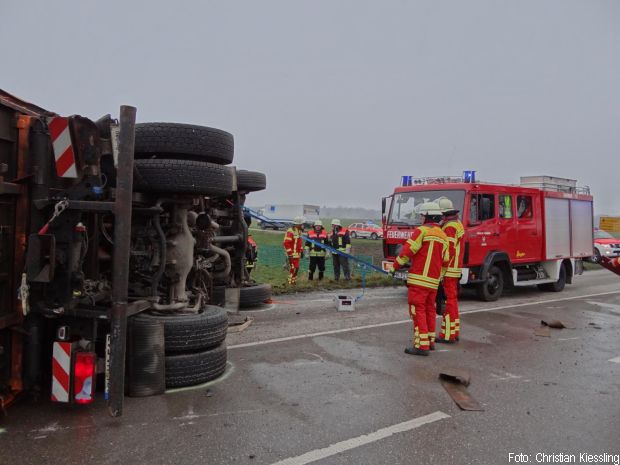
{"points": [[22, 106], [455, 382]]}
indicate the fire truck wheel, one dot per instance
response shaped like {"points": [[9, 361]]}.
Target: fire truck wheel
{"points": [[183, 142], [251, 181], [182, 177], [557, 286], [195, 368], [255, 295], [492, 288], [191, 331]]}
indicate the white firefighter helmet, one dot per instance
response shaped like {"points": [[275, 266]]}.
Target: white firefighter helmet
{"points": [[298, 220], [318, 223], [429, 209], [336, 222], [445, 204]]}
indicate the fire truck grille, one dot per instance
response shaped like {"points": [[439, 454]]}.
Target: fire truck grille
{"points": [[393, 249]]}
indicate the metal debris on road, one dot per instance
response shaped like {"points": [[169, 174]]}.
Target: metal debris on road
{"points": [[236, 326], [556, 324], [455, 382]]}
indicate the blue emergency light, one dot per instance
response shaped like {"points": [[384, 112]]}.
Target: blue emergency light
{"points": [[406, 181], [469, 176]]}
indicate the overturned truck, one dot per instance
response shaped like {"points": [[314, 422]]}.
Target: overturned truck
{"points": [[122, 251]]}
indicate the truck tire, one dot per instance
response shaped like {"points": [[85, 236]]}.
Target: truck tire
{"points": [[251, 181], [557, 286], [253, 296], [195, 368], [183, 142], [182, 177], [192, 331], [492, 288]]}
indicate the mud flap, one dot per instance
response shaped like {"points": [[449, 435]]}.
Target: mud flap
{"points": [[41, 258]]}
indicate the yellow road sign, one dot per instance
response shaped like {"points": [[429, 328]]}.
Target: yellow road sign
{"points": [[610, 223]]}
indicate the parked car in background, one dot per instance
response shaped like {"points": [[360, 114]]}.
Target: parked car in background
{"points": [[605, 245], [366, 230]]}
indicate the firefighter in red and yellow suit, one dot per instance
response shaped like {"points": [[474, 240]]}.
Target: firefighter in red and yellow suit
{"points": [[251, 254], [454, 230], [294, 248], [316, 253], [612, 264], [426, 253]]}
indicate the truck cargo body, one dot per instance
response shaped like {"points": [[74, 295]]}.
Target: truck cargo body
{"points": [[91, 254], [282, 216]]}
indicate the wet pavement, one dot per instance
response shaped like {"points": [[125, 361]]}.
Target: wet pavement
{"points": [[307, 384]]}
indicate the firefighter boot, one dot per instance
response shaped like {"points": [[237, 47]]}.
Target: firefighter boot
{"points": [[416, 351], [311, 276], [320, 275], [444, 341]]}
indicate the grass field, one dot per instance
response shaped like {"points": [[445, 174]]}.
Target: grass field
{"points": [[276, 273]]}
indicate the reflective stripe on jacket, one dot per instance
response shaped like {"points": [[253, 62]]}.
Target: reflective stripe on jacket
{"points": [[427, 254], [455, 231], [340, 240], [314, 250], [292, 243]]}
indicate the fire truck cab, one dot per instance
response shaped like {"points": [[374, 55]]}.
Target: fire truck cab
{"points": [[535, 233]]}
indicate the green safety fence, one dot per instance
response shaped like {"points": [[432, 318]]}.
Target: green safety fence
{"points": [[274, 256]]}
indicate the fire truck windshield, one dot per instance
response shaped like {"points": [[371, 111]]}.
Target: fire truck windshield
{"points": [[404, 208]]}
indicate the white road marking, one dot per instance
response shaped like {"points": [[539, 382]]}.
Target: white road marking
{"points": [[614, 360], [366, 297], [611, 307], [567, 338], [525, 304], [400, 322], [321, 333], [509, 376], [353, 443]]}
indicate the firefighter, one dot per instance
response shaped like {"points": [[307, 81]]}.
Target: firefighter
{"points": [[293, 247], [251, 254], [317, 254], [427, 255], [340, 240], [454, 230], [612, 264], [251, 250]]}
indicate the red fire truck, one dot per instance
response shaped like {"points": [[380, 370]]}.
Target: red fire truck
{"points": [[535, 233]]}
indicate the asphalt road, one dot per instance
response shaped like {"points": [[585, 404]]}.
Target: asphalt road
{"points": [[307, 384]]}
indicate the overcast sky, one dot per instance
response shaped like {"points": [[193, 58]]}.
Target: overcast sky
{"points": [[335, 100]]}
